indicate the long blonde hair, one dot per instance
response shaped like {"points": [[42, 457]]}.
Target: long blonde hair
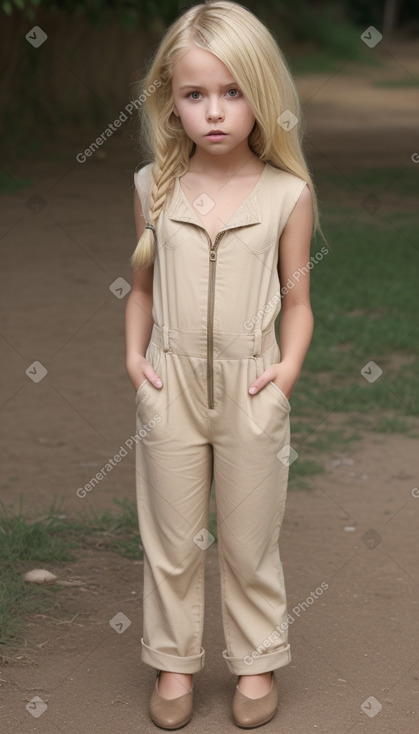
{"points": [[243, 43]]}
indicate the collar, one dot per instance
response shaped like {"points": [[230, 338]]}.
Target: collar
{"points": [[249, 212]]}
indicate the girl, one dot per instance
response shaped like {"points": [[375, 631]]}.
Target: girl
{"points": [[224, 215]]}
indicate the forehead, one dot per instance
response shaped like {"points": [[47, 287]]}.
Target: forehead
{"points": [[198, 66]]}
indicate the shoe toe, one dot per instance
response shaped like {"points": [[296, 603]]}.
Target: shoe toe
{"points": [[171, 713], [252, 712]]}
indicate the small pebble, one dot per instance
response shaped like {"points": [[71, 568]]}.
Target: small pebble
{"points": [[39, 576]]}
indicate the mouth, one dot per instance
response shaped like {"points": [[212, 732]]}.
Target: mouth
{"points": [[216, 134]]}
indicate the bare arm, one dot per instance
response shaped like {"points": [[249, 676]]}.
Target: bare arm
{"points": [[296, 320], [138, 318]]}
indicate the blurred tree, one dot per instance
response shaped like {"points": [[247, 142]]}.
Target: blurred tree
{"points": [[390, 17], [156, 15], [131, 14], [387, 15], [80, 76]]}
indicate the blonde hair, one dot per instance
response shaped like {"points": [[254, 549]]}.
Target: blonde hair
{"points": [[243, 43]]}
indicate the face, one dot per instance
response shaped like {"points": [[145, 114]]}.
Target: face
{"points": [[206, 97]]}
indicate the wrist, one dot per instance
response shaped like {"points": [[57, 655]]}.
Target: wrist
{"points": [[293, 367], [133, 365], [134, 358]]}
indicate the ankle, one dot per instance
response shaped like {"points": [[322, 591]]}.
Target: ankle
{"points": [[268, 675], [255, 685], [175, 676], [172, 685]]}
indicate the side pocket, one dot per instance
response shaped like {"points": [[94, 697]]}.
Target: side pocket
{"points": [[153, 355], [279, 395], [141, 388]]}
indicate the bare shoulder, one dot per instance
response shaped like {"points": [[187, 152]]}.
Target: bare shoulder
{"points": [[305, 200], [302, 212]]}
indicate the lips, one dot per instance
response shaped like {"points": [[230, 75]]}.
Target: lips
{"points": [[216, 132]]}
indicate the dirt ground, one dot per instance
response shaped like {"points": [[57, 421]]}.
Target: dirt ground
{"points": [[66, 239]]}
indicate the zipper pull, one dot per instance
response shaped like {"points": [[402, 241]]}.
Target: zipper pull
{"points": [[213, 255]]}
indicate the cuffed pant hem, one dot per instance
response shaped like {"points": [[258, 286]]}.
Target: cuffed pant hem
{"points": [[249, 665], [173, 663]]}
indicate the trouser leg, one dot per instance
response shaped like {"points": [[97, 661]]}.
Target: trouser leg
{"points": [[250, 488], [173, 480]]}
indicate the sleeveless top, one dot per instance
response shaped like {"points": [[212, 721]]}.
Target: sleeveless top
{"points": [[236, 282]]}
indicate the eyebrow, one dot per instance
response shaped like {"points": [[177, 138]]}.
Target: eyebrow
{"points": [[197, 86]]}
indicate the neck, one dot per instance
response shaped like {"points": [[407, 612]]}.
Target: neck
{"points": [[240, 160]]}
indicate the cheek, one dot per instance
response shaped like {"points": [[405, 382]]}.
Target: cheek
{"points": [[248, 121], [247, 116], [187, 116]]}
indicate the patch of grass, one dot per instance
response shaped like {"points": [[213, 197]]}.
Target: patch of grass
{"points": [[300, 470], [52, 538], [313, 440], [10, 184], [27, 540], [382, 197], [394, 424], [364, 299], [325, 441], [117, 532], [302, 467], [406, 82], [22, 540]]}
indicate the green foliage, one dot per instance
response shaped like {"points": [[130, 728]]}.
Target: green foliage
{"points": [[154, 14], [370, 12], [26, 6], [364, 299], [313, 21]]}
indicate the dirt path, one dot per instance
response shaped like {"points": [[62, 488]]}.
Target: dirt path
{"points": [[354, 646], [353, 642]]}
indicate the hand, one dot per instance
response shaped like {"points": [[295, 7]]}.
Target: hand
{"points": [[138, 369], [283, 376]]}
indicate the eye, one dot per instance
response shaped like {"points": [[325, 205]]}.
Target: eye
{"points": [[188, 95], [233, 89]]}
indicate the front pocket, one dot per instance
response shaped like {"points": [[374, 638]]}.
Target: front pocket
{"points": [[153, 356], [141, 387], [279, 395]]}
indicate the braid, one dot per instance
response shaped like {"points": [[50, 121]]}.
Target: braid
{"points": [[163, 173]]}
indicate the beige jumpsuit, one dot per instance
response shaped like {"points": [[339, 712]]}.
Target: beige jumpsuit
{"points": [[214, 311]]}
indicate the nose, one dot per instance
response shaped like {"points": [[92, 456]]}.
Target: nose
{"points": [[215, 110]]}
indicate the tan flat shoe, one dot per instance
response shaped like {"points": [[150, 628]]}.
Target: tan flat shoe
{"points": [[170, 713], [252, 712]]}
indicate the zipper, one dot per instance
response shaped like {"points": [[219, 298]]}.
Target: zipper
{"points": [[210, 316]]}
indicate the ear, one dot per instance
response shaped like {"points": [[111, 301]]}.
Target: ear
{"points": [[175, 112]]}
